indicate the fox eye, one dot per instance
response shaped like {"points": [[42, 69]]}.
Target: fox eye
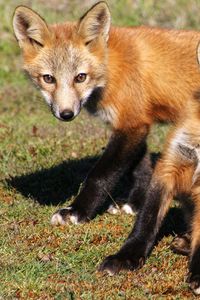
{"points": [[49, 79], [80, 78]]}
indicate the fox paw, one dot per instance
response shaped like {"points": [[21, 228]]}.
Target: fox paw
{"points": [[67, 215], [113, 209], [117, 210], [113, 264], [181, 244], [127, 209], [194, 283]]}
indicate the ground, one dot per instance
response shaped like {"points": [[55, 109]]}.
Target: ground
{"points": [[43, 162]]}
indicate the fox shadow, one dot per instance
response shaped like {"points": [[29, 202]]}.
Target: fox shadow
{"points": [[54, 186]]}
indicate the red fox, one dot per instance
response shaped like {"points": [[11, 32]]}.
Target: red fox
{"points": [[130, 77]]}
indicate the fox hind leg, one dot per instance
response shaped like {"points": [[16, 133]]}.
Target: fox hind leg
{"points": [[139, 180], [133, 253], [181, 244]]}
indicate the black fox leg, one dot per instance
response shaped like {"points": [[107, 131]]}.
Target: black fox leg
{"points": [[124, 149], [133, 253], [194, 265], [141, 180]]}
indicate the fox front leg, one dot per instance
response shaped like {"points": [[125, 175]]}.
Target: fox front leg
{"points": [[125, 148]]}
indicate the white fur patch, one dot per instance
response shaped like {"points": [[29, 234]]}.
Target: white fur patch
{"points": [[57, 220], [197, 291], [179, 139], [47, 97], [113, 210], [110, 273], [127, 209], [56, 110], [86, 95], [108, 114], [73, 219]]}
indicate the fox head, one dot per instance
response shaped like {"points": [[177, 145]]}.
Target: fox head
{"points": [[66, 61]]}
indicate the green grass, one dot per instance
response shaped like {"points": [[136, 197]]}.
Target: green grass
{"points": [[42, 164]]}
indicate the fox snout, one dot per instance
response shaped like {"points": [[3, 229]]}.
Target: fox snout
{"points": [[65, 113], [64, 104]]}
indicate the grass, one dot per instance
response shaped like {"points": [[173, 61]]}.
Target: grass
{"points": [[42, 165]]}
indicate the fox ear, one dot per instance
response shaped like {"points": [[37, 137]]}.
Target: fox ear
{"points": [[96, 22], [29, 27]]}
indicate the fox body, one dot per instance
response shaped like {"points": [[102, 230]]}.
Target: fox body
{"points": [[130, 77]]}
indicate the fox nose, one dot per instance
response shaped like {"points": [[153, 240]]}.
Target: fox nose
{"points": [[67, 115]]}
